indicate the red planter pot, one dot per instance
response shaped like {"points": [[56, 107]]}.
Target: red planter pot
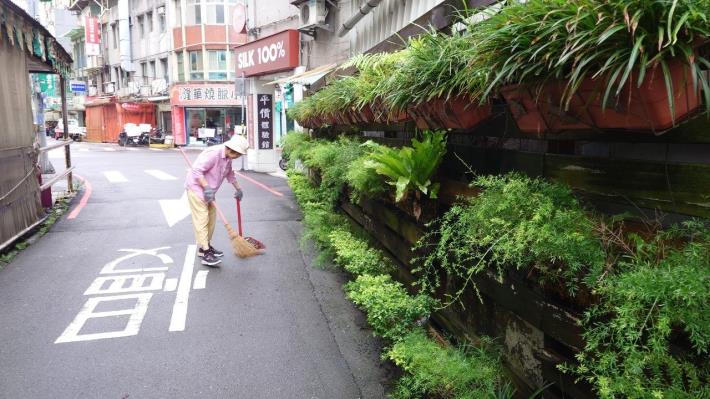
{"points": [[455, 113], [642, 108]]}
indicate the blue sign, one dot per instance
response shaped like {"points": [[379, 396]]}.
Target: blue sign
{"points": [[78, 86]]}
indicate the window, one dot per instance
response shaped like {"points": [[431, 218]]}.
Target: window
{"points": [[196, 65], [144, 72], [161, 20], [151, 69], [104, 38], [181, 66], [164, 68], [194, 12], [215, 11], [114, 31], [141, 27], [178, 13], [217, 64], [149, 19]]}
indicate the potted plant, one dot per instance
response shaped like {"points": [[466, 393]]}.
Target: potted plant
{"points": [[629, 65]]}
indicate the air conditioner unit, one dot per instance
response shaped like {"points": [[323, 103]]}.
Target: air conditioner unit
{"points": [[313, 14], [109, 87], [161, 10]]}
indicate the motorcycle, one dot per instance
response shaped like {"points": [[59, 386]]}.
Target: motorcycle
{"points": [[157, 136]]}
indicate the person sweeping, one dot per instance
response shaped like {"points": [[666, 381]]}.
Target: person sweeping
{"points": [[203, 180]]}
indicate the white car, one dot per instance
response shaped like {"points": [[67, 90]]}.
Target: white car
{"points": [[76, 132]]}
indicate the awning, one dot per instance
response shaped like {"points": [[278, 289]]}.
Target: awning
{"points": [[306, 78], [158, 98]]}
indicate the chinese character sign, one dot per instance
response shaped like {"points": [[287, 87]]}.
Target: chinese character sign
{"points": [[91, 36], [265, 122]]}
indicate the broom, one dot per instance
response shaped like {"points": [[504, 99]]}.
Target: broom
{"points": [[242, 248], [251, 240]]}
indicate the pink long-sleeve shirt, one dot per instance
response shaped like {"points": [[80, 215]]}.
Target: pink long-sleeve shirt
{"points": [[212, 164]]}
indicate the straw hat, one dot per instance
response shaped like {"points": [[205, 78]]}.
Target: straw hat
{"points": [[238, 144]]}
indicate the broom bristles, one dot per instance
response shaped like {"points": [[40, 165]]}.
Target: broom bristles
{"points": [[242, 248]]}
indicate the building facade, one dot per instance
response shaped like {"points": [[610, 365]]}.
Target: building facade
{"points": [[204, 103], [329, 32]]}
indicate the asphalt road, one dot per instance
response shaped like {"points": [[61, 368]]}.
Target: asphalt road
{"points": [[81, 317]]}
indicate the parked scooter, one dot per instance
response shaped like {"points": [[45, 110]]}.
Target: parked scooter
{"points": [[157, 136]]}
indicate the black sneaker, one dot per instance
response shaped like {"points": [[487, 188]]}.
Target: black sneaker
{"points": [[216, 252], [208, 259]]}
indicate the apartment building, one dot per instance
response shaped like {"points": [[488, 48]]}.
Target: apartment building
{"points": [[203, 99], [129, 63]]}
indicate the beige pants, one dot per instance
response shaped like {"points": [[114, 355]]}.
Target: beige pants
{"points": [[204, 217]]}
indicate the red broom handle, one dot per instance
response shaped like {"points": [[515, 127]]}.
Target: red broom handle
{"points": [[239, 217], [219, 211]]}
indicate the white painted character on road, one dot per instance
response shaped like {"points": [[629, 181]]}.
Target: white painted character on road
{"points": [[135, 287]]}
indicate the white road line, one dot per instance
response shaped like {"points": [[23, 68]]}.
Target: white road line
{"points": [[135, 318], [160, 175], [155, 149], [131, 149], [84, 149], [200, 280], [179, 316], [109, 149], [115, 176], [170, 284]]}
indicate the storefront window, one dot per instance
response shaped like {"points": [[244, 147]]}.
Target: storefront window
{"points": [[217, 64], [196, 65], [214, 125], [194, 12], [181, 66]]}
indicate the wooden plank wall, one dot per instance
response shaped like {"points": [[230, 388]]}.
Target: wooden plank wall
{"points": [[22, 207], [611, 172]]}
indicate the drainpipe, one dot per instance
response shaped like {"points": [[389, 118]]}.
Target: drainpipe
{"points": [[364, 10], [124, 35]]}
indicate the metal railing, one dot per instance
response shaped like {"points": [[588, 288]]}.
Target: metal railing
{"points": [[69, 168]]}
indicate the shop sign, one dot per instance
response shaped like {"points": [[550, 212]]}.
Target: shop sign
{"points": [[77, 86], [274, 53], [91, 36], [265, 122], [204, 95]]}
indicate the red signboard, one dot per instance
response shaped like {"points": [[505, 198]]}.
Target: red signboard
{"points": [[275, 53], [91, 35]]}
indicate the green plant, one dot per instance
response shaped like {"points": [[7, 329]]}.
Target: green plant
{"points": [[332, 159], [391, 312], [436, 65], [434, 371], [617, 43], [364, 181], [515, 222], [657, 304], [294, 146], [356, 255], [318, 215], [409, 168]]}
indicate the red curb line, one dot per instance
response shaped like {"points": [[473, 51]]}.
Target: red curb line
{"points": [[265, 187], [84, 198]]}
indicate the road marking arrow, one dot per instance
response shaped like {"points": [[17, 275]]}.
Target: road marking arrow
{"points": [[175, 210]]}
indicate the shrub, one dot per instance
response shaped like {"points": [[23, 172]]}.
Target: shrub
{"points": [[356, 255], [332, 159], [364, 181], [661, 298], [294, 146], [391, 312], [434, 371], [515, 222]]}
